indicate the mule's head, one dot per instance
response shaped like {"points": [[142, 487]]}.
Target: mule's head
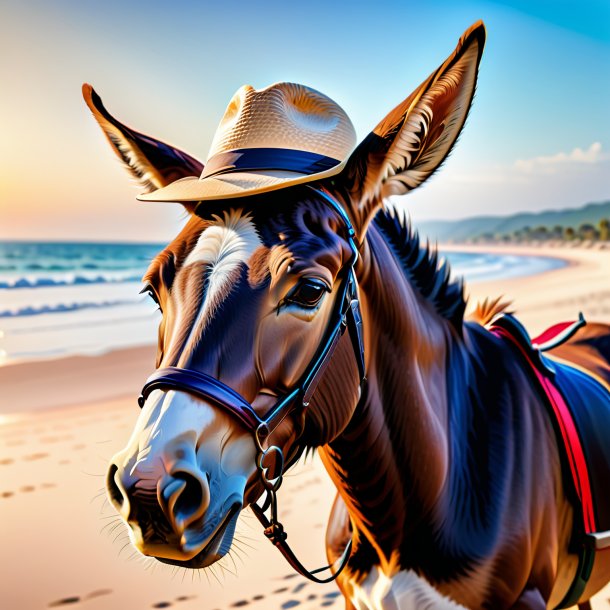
{"points": [[246, 297], [247, 292]]}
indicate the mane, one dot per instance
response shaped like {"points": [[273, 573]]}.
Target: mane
{"points": [[486, 310], [430, 276]]}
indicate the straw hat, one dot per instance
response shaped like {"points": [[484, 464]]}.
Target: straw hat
{"points": [[268, 139]]}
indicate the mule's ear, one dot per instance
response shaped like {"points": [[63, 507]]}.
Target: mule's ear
{"points": [[153, 163], [414, 139]]}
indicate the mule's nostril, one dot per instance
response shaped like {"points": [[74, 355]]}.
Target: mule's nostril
{"points": [[191, 498], [114, 492]]}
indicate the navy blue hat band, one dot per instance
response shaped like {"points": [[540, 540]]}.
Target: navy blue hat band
{"points": [[257, 159]]}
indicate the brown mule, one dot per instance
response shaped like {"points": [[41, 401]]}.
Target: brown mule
{"points": [[446, 464]]}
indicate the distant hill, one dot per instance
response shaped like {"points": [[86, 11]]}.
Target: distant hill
{"points": [[469, 228]]}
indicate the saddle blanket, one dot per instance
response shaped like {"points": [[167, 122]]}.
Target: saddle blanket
{"points": [[589, 403], [579, 406]]}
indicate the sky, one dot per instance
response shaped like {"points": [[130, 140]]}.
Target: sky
{"points": [[538, 135]]}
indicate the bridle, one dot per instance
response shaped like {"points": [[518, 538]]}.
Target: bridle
{"points": [[345, 315]]}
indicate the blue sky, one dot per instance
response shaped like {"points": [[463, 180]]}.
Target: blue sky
{"points": [[538, 135]]}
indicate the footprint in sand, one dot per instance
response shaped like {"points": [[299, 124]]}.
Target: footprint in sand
{"points": [[66, 601], [98, 593], [291, 603], [35, 456], [181, 598], [56, 439], [332, 594], [26, 489], [329, 598], [75, 599]]}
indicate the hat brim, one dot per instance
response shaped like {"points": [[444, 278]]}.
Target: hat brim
{"points": [[233, 184]]}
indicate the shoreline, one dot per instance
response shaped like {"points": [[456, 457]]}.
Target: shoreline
{"points": [[539, 300], [556, 295], [77, 332]]}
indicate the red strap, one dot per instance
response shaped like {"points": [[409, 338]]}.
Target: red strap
{"points": [[551, 333], [569, 434]]}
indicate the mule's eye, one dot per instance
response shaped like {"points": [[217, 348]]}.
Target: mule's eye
{"points": [[307, 293], [150, 291]]}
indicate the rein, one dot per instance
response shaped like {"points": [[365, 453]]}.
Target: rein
{"points": [[346, 315]]}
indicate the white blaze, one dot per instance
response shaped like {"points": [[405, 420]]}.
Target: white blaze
{"points": [[222, 246]]}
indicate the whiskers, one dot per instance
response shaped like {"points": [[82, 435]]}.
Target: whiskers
{"points": [[113, 525], [101, 496], [228, 566], [114, 528]]}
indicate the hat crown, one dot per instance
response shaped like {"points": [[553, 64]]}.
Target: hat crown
{"points": [[284, 115]]}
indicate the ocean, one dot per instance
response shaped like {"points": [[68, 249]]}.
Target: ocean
{"points": [[61, 299]]}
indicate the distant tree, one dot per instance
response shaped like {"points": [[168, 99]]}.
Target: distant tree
{"points": [[540, 232], [587, 231], [557, 232], [569, 234], [526, 233], [517, 235], [604, 229]]}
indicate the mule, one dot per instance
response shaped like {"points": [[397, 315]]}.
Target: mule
{"points": [[447, 467]]}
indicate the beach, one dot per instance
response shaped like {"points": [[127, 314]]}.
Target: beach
{"points": [[541, 300], [62, 419]]}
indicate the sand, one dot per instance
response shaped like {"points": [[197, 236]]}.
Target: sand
{"points": [[62, 544], [558, 295], [61, 421]]}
